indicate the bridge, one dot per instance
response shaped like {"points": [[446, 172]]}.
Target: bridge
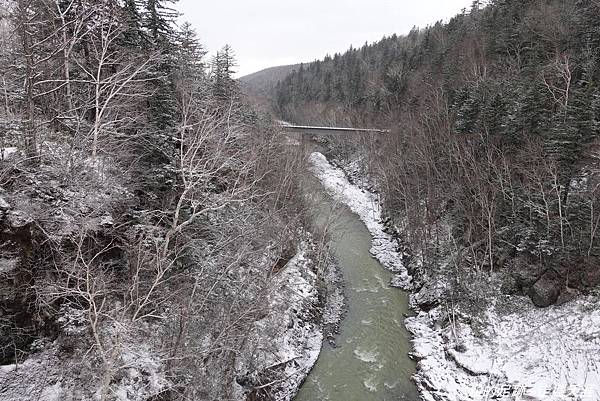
{"points": [[315, 130]]}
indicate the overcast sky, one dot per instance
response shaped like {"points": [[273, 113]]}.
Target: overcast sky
{"points": [[266, 33]]}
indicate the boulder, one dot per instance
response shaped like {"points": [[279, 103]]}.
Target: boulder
{"points": [[430, 296], [525, 274], [545, 291]]}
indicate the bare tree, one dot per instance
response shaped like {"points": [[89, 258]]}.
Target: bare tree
{"points": [[114, 78], [558, 80], [26, 21]]}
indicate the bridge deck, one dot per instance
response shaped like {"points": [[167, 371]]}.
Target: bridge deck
{"points": [[316, 129]]}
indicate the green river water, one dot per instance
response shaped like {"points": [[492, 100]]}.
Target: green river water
{"points": [[370, 361]]}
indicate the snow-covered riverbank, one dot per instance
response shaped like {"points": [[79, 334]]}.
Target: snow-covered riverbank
{"points": [[514, 351], [285, 344], [508, 350], [366, 205]]}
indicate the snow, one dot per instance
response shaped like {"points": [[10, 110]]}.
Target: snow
{"points": [[367, 206], [511, 351], [142, 374], [556, 348], [8, 265], [6, 153], [7, 368], [52, 393], [550, 354], [4, 205], [287, 341], [50, 374]]}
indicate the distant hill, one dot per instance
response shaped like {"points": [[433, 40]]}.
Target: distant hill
{"points": [[260, 85]]}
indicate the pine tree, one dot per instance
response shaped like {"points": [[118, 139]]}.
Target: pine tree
{"points": [[158, 21], [222, 71], [190, 55], [133, 36]]}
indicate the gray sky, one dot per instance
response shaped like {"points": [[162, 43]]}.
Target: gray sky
{"points": [[267, 33]]}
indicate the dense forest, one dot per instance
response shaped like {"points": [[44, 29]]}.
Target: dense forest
{"points": [[140, 207], [495, 117]]}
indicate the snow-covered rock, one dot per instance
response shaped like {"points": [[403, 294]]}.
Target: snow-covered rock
{"points": [[4, 205], [18, 219], [6, 153]]}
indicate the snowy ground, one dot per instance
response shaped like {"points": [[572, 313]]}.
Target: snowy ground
{"points": [[51, 375], [530, 353], [512, 351]]}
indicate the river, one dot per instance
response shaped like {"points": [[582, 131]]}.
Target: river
{"points": [[371, 359]]}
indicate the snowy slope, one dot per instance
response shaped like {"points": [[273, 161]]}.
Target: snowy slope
{"points": [[548, 354], [282, 347]]}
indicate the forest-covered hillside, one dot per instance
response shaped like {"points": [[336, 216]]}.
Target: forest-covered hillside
{"points": [[495, 118], [161, 239], [264, 81], [140, 212], [260, 85]]}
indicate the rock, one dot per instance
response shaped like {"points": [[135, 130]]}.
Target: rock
{"points": [[429, 296], [428, 385], [545, 291], [402, 281], [524, 273]]}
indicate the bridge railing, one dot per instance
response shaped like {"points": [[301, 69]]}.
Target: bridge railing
{"points": [[307, 128]]}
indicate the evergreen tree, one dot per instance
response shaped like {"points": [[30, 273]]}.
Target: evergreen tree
{"points": [[190, 55], [158, 21], [222, 72], [133, 37]]}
